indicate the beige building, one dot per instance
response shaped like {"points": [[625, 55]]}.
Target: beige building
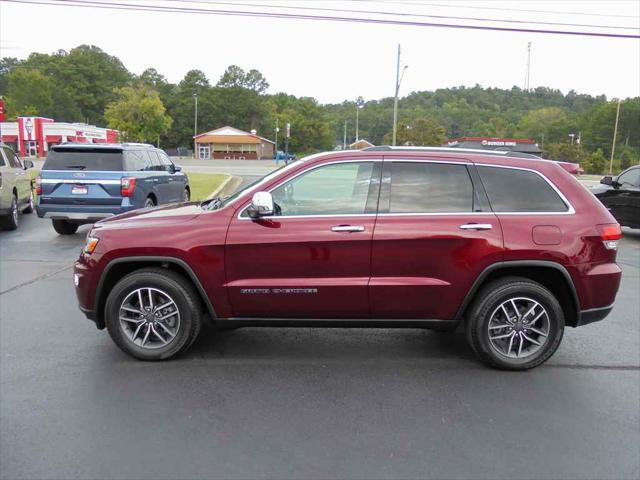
{"points": [[228, 143]]}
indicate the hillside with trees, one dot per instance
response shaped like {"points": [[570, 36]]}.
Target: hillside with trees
{"points": [[87, 84]]}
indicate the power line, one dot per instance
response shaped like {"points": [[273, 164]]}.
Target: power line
{"points": [[484, 7], [378, 12], [262, 14]]}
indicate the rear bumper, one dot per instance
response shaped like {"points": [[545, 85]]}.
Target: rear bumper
{"points": [[593, 315], [84, 213]]}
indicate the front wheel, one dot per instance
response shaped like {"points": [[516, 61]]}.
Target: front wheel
{"points": [[186, 195], [515, 324], [29, 208], [153, 314], [64, 227]]}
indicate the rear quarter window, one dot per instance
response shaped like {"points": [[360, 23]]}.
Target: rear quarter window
{"points": [[84, 159], [513, 190]]}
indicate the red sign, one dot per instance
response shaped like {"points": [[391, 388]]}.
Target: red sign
{"points": [[1, 109]]}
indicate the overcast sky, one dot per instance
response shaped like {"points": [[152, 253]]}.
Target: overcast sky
{"points": [[334, 61]]}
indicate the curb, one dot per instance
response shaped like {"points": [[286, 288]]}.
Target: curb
{"points": [[230, 179]]}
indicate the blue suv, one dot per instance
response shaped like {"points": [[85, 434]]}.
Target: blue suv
{"points": [[84, 183]]}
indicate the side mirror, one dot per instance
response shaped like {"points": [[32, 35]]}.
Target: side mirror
{"points": [[27, 164], [176, 168], [607, 181], [261, 205]]}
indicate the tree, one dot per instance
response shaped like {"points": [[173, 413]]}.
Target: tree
{"points": [[234, 76], [596, 162], [549, 124], [29, 92], [565, 151], [138, 114], [422, 131]]}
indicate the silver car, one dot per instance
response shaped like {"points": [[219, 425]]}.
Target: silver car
{"points": [[16, 193]]}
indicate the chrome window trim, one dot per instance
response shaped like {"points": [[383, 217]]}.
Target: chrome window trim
{"points": [[365, 160], [54, 181], [570, 209]]}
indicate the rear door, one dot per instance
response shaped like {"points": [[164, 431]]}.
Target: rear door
{"points": [[312, 258], [434, 235], [21, 178], [82, 176], [628, 197]]}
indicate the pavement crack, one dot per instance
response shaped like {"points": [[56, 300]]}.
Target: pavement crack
{"points": [[594, 367], [36, 279]]}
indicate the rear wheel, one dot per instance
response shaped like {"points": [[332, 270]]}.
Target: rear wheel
{"points": [[515, 324], [10, 221], [64, 227], [148, 203], [153, 314]]}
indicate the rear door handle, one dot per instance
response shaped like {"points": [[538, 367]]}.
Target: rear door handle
{"points": [[476, 226], [348, 228]]}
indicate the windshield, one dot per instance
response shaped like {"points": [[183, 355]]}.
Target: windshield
{"points": [[221, 202]]}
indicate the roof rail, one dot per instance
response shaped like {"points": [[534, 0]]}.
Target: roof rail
{"points": [[473, 151], [134, 144]]}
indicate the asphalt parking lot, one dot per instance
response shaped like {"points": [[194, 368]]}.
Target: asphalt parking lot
{"points": [[301, 403]]}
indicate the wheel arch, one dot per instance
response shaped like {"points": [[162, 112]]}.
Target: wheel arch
{"points": [[116, 269], [551, 275]]}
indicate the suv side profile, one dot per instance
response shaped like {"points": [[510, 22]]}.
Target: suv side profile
{"points": [[82, 183], [621, 195], [513, 249], [16, 193]]}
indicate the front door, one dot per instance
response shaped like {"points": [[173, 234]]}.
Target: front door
{"points": [[311, 259], [628, 197], [434, 235], [204, 152]]}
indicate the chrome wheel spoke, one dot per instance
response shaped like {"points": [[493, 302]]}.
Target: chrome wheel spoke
{"points": [[141, 318], [511, 334]]}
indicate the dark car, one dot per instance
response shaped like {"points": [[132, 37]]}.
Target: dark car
{"points": [[84, 183], [621, 195], [16, 193], [515, 249]]}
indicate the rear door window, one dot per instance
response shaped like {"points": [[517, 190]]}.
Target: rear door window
{"points": [[513, 190], [424, 187], [105, 160]]}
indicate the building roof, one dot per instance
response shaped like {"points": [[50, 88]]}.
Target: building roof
{"points": [[230, 135], [362, 141]]}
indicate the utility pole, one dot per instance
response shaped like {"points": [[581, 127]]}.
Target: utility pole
{"points": [[526, 80], [359, 105], [615, 134], [277, 130], [344, 139], [395, 100], [195, 125]]}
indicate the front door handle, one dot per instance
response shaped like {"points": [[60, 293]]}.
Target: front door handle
{"points": [[476, 226], [348, 228]]}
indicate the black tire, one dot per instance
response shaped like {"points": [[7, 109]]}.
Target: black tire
{"points": [[489, 299], [186, 195], [64, 227], [149, 202], [29, 208], [179, 289], [10, 221]]}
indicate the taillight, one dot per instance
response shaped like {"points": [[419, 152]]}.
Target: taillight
{"points": [[610, 234], [38, 185], [127, 186]]}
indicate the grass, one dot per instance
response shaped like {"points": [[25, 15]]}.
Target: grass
{"points": [[203, 184]]}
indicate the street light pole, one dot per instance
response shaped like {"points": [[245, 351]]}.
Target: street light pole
{"points": [[195, 125], [615, 134], [277, 130], [395, 100], [359, 105], [344, 139]]}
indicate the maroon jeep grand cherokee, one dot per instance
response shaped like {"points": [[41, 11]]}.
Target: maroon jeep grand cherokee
{"points": [[515, 249]]}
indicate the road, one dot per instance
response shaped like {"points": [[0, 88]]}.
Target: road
{"points": [[301, 403]]}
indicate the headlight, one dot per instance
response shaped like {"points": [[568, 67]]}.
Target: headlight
{"points": [[91, 244]]}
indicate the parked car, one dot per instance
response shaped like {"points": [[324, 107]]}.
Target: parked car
{"points": [[16, 193], [82, 183], [621, 195], [514, 249]]}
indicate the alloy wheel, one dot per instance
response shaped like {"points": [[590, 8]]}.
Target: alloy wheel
{"points": [[14, 211], [149, 318], [518, 328]]}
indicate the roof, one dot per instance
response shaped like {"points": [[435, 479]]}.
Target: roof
{"points": [[229, 134], [362, 140], [472, 151], [101, 146]]}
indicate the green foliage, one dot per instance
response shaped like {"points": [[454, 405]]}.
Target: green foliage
{"points": [[236, 77], [138, 114], [29, 92], [421, 131], [565, 152], [595, 163], [628, 157]]}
